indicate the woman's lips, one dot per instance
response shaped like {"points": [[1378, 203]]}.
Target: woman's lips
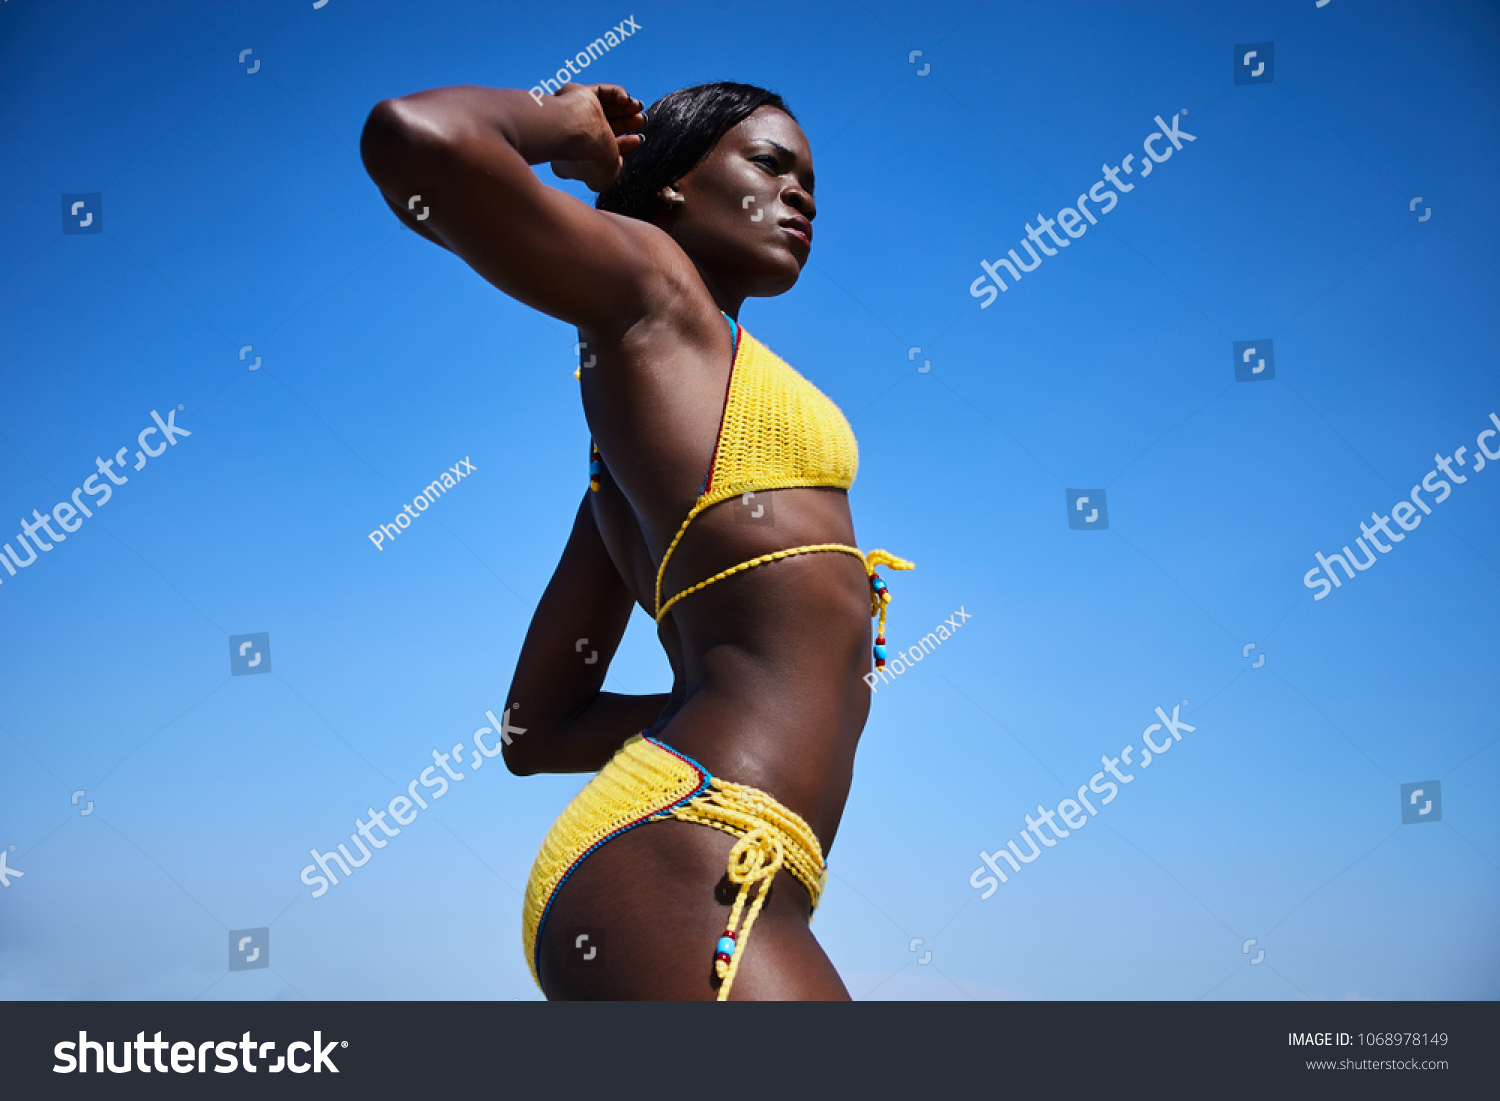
{"points": [[799, 228]]}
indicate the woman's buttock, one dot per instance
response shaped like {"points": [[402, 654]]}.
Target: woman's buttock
{"points": [[640, 915]]}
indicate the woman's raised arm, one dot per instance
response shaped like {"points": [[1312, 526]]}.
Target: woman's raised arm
{"points": [[455, 166]]}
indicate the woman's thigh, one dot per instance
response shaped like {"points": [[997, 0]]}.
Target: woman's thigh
{"points": [[640, 917]]}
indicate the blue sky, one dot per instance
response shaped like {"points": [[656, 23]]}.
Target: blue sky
{"points": [[234, 212]]}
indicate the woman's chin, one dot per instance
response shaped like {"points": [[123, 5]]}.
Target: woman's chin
{"points": [[778, 277]]}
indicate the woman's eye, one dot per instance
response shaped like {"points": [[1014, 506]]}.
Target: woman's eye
{"points": [[768, 161]]}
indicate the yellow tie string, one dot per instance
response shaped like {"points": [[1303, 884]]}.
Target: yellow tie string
{"points": [[880, 598], [770, 837], [813, 548], [872, 561], [748, 866], [877, 558]]}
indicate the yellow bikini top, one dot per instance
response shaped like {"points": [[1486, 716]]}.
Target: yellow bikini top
{"points": [[779, 431]]}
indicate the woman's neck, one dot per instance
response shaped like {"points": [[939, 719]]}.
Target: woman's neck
{"points": [[727, 300]]}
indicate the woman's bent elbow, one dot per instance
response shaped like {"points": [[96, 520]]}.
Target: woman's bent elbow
{"points": [[516, 759], [383, 127], [394, 133]]}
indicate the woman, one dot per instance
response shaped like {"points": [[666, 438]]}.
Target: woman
{"points": [[705, 200]]}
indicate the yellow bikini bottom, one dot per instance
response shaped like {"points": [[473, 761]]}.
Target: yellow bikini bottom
{"points": [[648, 781]]}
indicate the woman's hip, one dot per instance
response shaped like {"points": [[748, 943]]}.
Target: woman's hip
{"points": [[752, 842]]}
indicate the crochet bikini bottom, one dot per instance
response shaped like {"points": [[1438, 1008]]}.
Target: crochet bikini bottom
{"points": [[648, 781]]}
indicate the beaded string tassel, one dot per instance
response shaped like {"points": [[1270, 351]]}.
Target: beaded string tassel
{"points": [[753, 862], [770, 837], [880, 595], [596, 466]]}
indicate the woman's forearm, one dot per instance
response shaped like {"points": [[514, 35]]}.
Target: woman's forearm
{"points": [[457, 117], [586, 741], [557, 695]]}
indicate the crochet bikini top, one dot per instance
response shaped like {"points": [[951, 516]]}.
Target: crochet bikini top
{"points": [[778, 431]]}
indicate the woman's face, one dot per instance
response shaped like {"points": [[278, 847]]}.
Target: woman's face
{"points": [[744, 213]]}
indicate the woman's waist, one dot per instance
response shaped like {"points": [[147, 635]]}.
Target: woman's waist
{"points": [[793, 740], [787, 593], [762, 658], [752, 528]]}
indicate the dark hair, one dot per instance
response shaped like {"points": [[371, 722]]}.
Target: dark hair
{"points": [[681, 129]]}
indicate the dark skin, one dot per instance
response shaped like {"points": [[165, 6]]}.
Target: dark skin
{"points": [[766, 665]]}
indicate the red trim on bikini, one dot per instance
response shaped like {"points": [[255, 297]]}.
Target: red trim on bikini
{"points": [[734, 360]]}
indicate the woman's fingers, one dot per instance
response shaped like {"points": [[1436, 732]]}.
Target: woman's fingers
{"points": [[622, 112], [630, 124], [613, 100], [626, 121], [612, 93], [617, 103]]}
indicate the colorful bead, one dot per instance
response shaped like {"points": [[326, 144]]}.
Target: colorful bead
{"points": [[881, 596], [725, 948]]}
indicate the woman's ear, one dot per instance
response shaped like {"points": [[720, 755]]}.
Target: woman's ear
{"points": [[671, 196]]}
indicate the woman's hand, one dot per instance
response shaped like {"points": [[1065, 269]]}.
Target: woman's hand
{"points": [[612, 122]]}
